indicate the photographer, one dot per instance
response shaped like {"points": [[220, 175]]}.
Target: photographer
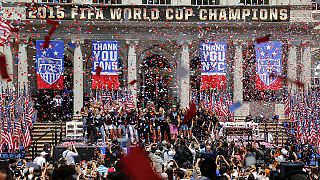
{"points": [[69, 155], [223, 167]]}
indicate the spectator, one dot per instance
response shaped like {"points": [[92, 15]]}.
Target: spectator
{"points": [[69, 155], [157, 161], [65, 172], [207, 167], [183, 154], [41, 160], [6, 174]]}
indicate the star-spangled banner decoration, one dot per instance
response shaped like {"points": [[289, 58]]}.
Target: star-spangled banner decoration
{"points": [[269, 61], [50, 65]]}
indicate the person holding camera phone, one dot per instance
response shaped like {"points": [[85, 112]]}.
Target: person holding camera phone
{"points": [[69, 155]]}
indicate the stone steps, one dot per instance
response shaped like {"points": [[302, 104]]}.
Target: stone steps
{"points": [[39, 129]]}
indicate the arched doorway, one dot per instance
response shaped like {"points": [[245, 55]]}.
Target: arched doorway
{"points": [[156, 79]]}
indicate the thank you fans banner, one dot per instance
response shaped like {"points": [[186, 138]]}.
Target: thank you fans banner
{"points": [[269, 65], [214, 67], [50, 65], [159, 13], [105, 62]]}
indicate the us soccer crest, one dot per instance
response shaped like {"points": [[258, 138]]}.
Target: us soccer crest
{"points": [[50, 69], [267, 67], [50, 61], [269, 63]]}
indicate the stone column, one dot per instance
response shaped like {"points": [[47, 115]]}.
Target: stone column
{"points": [[306, 66], [238, 74], [292, 64], [132, 68], [23, 68], [223, 2], [77, 80], [184, 76]]}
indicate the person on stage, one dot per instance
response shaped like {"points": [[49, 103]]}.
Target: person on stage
{"points": [[173, 117], [164, 126], [199, 124], [69, 154], [101, 125], [92, 131], [207, 119], [131, 125], [121, 128], [144, 126], [156, 127], [183, 128], [84, 114]]}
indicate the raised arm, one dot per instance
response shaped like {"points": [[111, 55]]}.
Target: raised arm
{"points": [[195, 139]]}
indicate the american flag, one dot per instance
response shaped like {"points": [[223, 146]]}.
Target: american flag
{"points": [[16, 114], [26, 137], [287, 106], [5, 31], [130, 103], [7, 134], [313, 133], [11, 106], [29, 112], [17, 129], [2, 105], [218, 108], [108, 97], [305, 111]]}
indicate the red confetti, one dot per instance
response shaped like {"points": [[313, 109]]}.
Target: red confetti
{"points": [[14, 29], [263, 39], [3, 67], [298, 83], [46, 41], [98, 70], [137, 166], [54, 24], [133, 82], [191, 113]]}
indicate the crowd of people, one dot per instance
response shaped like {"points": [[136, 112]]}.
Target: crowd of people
{"points": [[183, 158], [177, 149]]}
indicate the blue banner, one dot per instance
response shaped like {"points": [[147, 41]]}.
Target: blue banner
{"points": [[105, 54], [269, 61], [50, 65], [213, 58]]}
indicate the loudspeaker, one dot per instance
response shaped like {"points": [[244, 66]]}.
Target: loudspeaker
{"points": [[85, 153], [287, 167]]}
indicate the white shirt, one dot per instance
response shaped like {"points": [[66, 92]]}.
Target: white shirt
{"points": [[40, 161], [168, 155], [58, 102], [69, 155]]}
